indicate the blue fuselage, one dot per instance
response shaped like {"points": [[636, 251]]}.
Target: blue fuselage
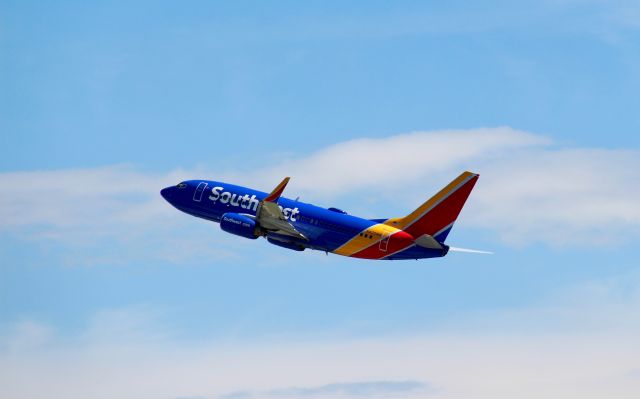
{"points": [[325, 229]]}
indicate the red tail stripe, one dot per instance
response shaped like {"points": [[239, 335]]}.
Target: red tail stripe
{"points": [[397, 242], [443, 214]]}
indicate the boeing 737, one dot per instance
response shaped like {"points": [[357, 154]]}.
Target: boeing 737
{"points": [[296, 225]]}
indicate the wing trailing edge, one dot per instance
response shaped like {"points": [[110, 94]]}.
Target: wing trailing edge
{"points": [[270, 217]]}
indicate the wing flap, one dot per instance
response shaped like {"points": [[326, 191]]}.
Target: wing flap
{"points": [[270, 216]]}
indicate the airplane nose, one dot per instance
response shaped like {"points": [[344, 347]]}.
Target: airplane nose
{"points": [[167, 193]]}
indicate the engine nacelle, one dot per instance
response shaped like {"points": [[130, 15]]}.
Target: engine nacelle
{"points": [[239, 225]]}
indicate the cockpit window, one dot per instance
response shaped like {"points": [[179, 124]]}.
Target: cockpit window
{"points": [[182, 185]]}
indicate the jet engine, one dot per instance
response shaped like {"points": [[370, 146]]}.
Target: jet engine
{"points": [[240, 225]]}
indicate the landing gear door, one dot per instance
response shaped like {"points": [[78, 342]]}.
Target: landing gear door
{"points": [[197, 195]]}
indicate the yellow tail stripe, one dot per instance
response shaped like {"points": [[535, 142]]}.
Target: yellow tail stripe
{"points": [[402, 223]]}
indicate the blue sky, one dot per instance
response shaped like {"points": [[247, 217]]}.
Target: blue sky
{"points": [[369, 107]]}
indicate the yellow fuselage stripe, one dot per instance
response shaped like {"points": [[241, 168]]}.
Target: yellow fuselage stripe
{"points": [[378, 231], [361, 241]]}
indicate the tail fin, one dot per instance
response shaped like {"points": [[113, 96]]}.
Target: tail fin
{"points": [[436, 216]]}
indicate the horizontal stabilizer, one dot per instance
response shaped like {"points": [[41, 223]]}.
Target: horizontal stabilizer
{"points": [[427, 241]]}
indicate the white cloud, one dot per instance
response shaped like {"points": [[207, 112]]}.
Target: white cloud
{"points": [[392, 161], [366, 389], [136, 324], [530, 190], [458, 366], [560, 196], [25, 336], [587, 356], [107, 215], [84, 197]]}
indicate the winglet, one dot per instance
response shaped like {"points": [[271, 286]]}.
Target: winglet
{"points": [[277, 192]]}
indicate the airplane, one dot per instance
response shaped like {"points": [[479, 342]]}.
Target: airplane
{"points": [[296, 225]]}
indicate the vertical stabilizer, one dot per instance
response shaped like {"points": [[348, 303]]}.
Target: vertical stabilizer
{"points": [[436, 216]]}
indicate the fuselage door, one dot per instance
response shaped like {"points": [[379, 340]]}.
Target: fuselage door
{"points": [[384, 243], [197, 195]]}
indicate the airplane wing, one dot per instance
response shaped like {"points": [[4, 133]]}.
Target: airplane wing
{"points": [[270, 216]]}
